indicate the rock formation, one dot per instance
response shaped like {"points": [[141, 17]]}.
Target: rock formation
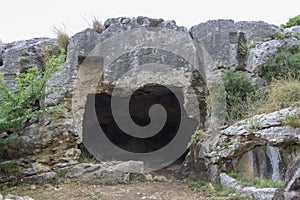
{"points": [[189, 60]]}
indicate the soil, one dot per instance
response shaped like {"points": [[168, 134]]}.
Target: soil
{"points": [[79, 191], [172, 189]]}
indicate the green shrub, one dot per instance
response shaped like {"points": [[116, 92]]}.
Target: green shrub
{"points": [[238, 91], [282, 65], [196, 137], [292, 22], [62, 173], [243, 48], [20, 105], [297, 35], [278, 36]]}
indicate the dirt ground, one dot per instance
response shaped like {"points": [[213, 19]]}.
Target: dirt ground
{"points": [[77, 191], [172, 189]]}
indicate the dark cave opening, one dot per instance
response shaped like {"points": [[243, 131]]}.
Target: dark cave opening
{"points": [[139, 106], [140, 103]]}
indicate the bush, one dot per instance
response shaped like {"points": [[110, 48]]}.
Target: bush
{"points": [[20, 105], [297, 35], [238, 92], [282, 65], [292, 22], [278, 36]]}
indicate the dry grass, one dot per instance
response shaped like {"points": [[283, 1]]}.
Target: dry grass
{"points": [[280, 94], [62, 38], [98, 26], [82, 191], [293, 121]]}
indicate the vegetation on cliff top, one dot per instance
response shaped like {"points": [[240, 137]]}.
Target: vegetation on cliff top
{"points": [[292, 22]]}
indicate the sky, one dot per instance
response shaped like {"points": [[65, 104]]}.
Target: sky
{"points": [[37, 18]]}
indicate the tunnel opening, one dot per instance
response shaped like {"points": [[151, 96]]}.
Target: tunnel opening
{"points": [[139, 105]]}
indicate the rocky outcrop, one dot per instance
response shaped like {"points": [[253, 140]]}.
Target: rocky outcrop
{"points": [[260, 146], [18, 56], [159, 53], [219, 41]]}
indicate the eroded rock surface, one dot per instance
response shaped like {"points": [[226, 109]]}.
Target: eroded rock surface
{"points": [[260, 146], [199, 59]]}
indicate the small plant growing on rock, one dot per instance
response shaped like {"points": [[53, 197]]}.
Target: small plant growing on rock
{"points": [[243, 48], [196, 137], [252, 44], [225, 143], [62, 38], [253, 125], [98, 26], [62, 173], [293, 121]]}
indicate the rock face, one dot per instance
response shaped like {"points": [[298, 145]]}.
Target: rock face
{"points": [[219, 41], [292, 178], [260, 146], [131, 54], [18, 56]]}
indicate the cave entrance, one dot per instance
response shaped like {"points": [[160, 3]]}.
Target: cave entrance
{"points": [[139, 105]]}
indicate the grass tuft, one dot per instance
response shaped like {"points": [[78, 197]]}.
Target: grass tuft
{"points": [[260, 183], [62, 38], [98, 26]]}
